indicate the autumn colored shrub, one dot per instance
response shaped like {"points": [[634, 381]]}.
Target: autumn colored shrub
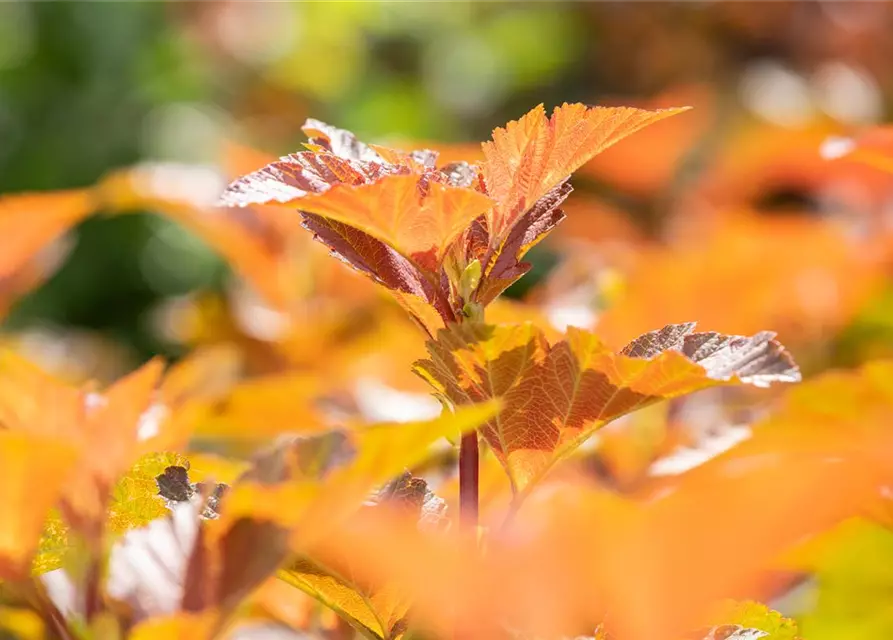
{"points": [[285, 496]]}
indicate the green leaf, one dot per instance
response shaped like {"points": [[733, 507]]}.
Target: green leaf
{"points": [[755, 615], [854, 573]]}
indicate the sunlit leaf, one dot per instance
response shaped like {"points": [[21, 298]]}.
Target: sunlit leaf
{"points": [[534, 154], [379, 615], [557, 395], [419, 221], [135, 501]]}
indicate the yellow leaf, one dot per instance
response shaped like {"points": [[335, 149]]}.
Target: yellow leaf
{"points": [[379, 614]]}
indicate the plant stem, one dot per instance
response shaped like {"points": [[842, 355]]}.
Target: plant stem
{"points": [[468, 482]]}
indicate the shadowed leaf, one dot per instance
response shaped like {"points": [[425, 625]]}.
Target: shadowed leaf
{"points": [[425, 302], [504, 264]]}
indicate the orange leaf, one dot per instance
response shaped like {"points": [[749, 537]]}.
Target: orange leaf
{"points": [[110, 430], [556, 396], [34, 469], [531, 156], [30, 221], [180, 626], [653, 566], [418, 221], [798, 276], [265, 407], [251, 241]]}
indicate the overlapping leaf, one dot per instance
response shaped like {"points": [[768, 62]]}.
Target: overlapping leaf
{"points": [[556, 395], [652, 566], [381, 452], [380, 609]]}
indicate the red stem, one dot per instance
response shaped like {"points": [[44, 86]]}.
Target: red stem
{"points": [[468, 482]]}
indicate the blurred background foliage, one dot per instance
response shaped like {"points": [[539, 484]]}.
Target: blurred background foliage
{"points": [[88, 87]]}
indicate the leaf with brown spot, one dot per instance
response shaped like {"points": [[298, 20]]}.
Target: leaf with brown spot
{"points": [[555, 396]]}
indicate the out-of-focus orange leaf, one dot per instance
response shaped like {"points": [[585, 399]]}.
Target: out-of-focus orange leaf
{"points": [[110, 430], [29, 222], [418, 221], [653, 566], [207, 373], [799, 276], [280, 601], [533, 155], [34, 470], [596, 222], [181, 626], [245, 238], [261, 408], [372, 608], [380, 453], [557, 395]]}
